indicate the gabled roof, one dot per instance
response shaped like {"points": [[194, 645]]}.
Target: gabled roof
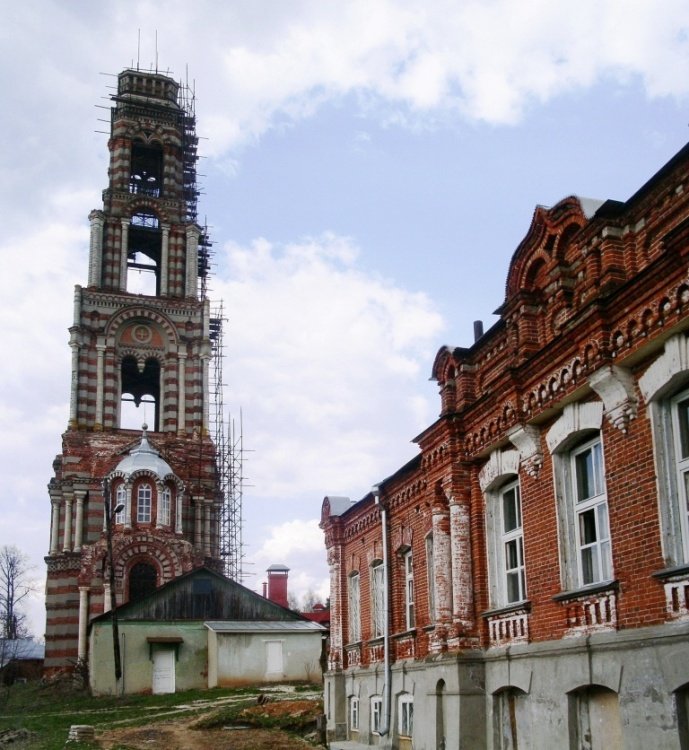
{"points": [[203, 595], [20, 649]]}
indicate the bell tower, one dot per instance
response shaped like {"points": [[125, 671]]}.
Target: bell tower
{"points": [[141, 347]]}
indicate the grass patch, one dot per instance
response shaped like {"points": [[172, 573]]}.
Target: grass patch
{"points": [[48, 712]]}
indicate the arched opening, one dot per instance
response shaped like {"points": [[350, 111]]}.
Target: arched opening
{"points": [[142, 581], [682, 708], [146, 172], [440, 731], [140, 393], [509, 719], [143, 256], [594, 721]]}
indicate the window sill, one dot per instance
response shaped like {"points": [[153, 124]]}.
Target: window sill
{"points": [[596, 588], [405, 634], [677, 571], [524, 606]]}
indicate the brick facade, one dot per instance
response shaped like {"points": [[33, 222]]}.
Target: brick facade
{"points": [[544, 514], [155, 347]]}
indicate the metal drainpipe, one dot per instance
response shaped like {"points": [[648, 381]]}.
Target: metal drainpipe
{"points": [[387, 678]]}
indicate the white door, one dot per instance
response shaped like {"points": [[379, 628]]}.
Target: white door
{"points": [[163, 670], [274, 657]]}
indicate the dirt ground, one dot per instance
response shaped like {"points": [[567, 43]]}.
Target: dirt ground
{"points": [[180, 734]]}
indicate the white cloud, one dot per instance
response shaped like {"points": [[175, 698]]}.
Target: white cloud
{"points": [[326, 362], [299, 545], [292, 536]]}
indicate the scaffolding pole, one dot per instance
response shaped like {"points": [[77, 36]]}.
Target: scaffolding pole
{"points": [[229, 451]]}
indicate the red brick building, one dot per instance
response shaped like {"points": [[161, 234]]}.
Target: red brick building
{"points": [[524, 581], [141, 340]]}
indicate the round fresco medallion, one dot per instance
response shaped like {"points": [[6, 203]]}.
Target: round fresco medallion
{"points": [[142, 334]]}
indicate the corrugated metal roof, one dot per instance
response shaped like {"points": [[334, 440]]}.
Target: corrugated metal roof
{"points": [[264, 626], [20, 649]]}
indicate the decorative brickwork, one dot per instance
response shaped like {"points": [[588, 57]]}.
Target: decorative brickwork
{"points": [[152, 347], [546, 512]]}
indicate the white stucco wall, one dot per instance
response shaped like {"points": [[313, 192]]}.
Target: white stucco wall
{"points": [[244, 658]]}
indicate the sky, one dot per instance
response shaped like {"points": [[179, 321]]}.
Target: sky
{"points": [[368, 169]]}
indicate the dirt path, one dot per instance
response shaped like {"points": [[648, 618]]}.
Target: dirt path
{"points": [[178, 735], [180, 732]]}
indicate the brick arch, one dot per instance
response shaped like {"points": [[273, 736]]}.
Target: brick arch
{"points": [[144, 547], [134, 312], [141, 203]]}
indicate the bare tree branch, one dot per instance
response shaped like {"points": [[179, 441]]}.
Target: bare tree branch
{"points": [[15, 586]]}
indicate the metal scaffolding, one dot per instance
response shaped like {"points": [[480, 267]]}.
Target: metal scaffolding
{"points": [[229, 451]]}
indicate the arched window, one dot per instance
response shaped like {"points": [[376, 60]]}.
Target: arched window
{"points": [[405, 715], [430, 577], [139, 387], [165, 507], [144, 500], [354, 714], [142, 580], [120, 499], [354, 596], [378, 598]]}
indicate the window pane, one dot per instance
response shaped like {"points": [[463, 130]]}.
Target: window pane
{"points": [[378, 603], [511, 559], [510, 510], [602, 516], [683, 419], [587, 527], [588, 565], [143, 514], [584, 471], [513, 587]]}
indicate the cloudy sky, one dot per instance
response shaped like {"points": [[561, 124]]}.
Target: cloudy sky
{"points": [[368, 168]]}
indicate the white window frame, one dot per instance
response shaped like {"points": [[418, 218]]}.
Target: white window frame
{"points": [[430, 577], [378, 598], [590, 513], [121, 499], [144, 502], [354, 596], [663, 385], [166, 506], [354, 713], [571, 435], [680, 440], [511, 546], [376, 713], [409, 616], [405, 715]]}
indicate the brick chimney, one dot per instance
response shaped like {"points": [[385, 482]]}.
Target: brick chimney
{"points": [[277, 584]]}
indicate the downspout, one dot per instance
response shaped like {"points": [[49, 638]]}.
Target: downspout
{"points": [[387, 675]]}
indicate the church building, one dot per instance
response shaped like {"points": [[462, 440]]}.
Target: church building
{"points": [[523, 581], [141, 341]]}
